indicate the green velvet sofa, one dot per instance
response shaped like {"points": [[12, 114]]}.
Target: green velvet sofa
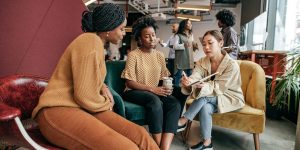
{"points": [[130, 111]]}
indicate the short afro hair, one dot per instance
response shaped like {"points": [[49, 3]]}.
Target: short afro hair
{"points": [[226, 17], [142, 23]]}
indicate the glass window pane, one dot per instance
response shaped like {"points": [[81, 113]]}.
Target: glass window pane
{"points": [[287, 25]]}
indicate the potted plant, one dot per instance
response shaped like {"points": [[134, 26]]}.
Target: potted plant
{"points": [[287, 87]]}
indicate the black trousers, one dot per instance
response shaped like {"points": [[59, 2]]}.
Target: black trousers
{"points": [[162, 113], [181, 97], [170, 66]]}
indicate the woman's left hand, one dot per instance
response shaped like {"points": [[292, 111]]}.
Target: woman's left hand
{"points": [[199, 85], [161, 91], [106, 92]]}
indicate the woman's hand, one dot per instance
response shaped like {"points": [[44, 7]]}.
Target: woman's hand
{"points": [[199, 85], [187, 45], [161, 91], [106, 92], [185, 81]]}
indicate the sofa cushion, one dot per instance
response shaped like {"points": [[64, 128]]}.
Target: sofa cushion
{"points": [[135, 113], [240, 121], [250, 110]]}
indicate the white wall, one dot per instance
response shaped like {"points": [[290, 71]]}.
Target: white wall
{"points": [[199, 28]]}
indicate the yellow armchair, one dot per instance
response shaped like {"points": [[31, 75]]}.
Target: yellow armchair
{"points": [[251, 118]]}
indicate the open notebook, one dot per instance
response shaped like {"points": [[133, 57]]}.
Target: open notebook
{"points": [[203, 79]]}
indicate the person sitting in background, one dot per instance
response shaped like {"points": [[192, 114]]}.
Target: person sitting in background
{"points": [[75, 110], [144, 69], [226, 20], [222, 93]]}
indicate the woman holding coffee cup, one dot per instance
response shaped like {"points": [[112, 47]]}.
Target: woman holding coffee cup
{"points": [[145, 67]]}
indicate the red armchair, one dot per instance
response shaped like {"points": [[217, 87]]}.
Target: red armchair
{"points": [[19, 94]]}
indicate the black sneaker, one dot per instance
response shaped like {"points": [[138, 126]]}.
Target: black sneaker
{"points": [[181, 128], [200, 146]]}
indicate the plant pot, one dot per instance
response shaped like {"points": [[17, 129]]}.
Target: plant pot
{"points": [[291, 114], [272, 112]]}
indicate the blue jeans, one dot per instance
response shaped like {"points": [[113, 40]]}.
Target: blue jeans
{"points": [[178, 75], [206, 106]]}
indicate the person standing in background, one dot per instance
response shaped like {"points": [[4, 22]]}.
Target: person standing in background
{"points": [[226, 20], [170, 44], [184, 60]]}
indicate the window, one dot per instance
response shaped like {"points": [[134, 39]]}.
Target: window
{"points": [[276, 29], [287, 25]]}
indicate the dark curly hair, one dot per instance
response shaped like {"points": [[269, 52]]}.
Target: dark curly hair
{"points": [[142, 23], [226, 17]]}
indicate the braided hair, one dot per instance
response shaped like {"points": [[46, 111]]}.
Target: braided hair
{"points": [[142, 23], [105, 17], [226, 17]]}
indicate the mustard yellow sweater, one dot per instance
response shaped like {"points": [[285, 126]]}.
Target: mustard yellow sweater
{"points": [[78, 77]]}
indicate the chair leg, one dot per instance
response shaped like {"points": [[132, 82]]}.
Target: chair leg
{"points": [[185, 133], [256, 141]]}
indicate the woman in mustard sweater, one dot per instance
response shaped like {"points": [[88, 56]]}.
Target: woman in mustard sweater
{"points": [[74, 111]]}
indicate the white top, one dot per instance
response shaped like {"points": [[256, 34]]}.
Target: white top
{"points": [[170, 44]]}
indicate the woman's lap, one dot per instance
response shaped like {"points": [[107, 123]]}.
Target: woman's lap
{"points": [[73, 128]]}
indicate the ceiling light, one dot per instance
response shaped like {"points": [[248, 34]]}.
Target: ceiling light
{"points": [[194, 7], [89, 2], [190, 17]]}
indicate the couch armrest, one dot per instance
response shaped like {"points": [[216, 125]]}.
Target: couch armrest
{"points": [[8, 113], [119, 106]]}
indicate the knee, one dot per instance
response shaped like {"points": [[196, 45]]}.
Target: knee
{"points": [[206, 109], [143, 132], [154, 104]]}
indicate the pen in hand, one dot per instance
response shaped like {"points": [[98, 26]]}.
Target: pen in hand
{"points": [[184, 74], [185, 80]]}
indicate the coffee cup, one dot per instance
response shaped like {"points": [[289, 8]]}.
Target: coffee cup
{"points": [[167, 82]]}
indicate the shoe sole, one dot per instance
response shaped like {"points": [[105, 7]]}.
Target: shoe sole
{"points": [[205, 149], [179, 130]]}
